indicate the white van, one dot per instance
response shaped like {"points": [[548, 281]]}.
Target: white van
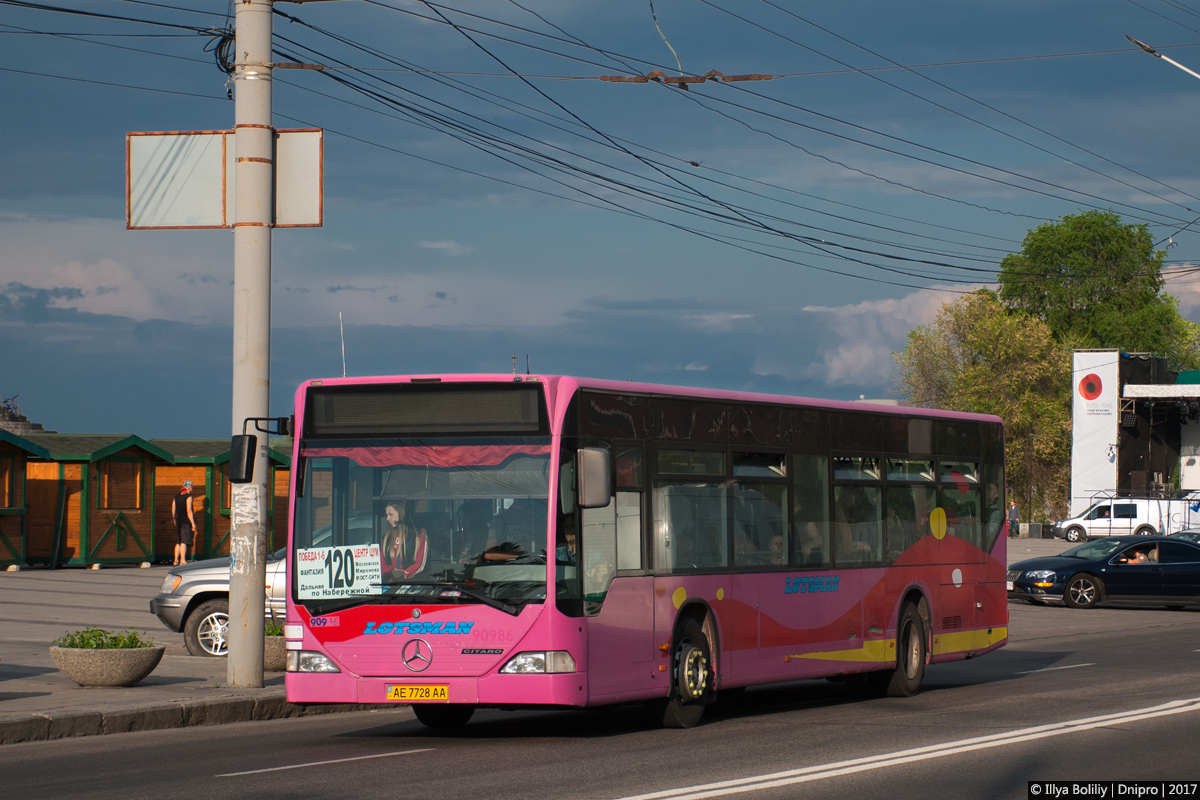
{"points": [[1116, 516]]}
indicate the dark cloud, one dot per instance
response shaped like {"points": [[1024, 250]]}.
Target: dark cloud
{"points": [[336, 289], [652, 304], [21, 303]]}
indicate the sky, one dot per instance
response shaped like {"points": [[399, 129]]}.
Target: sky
{"points": [[486, 194]]}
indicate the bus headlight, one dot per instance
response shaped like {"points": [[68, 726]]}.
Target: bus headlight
{"points": [[550, 661], [308, 661]]}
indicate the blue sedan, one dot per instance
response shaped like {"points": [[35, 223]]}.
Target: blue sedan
{"points": [[1142, 570]]}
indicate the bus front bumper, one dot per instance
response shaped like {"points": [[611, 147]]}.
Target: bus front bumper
{"points": [[489, 690]]}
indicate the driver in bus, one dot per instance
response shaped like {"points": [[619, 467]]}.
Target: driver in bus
{"points": [[474, 517], [405, 547]]}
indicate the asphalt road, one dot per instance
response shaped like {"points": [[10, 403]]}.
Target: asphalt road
{"points": [[980, 729]]}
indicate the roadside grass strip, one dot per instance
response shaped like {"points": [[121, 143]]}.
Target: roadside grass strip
{"points": [[822, 771]]}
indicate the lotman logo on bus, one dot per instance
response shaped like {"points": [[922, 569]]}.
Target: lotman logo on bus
{"points": [[418, 627], [813, 583]]}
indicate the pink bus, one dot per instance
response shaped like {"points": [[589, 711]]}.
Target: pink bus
{"points": [[504, 541]]}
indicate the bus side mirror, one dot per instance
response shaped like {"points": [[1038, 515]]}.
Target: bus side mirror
{"points": [[241, 457], [595, 477]]}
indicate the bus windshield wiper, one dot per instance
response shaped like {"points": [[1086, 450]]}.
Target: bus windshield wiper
{"points": [[463, 590]]}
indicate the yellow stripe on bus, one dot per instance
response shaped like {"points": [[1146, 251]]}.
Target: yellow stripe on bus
{"points": [[966, 641], [874, 650], [884, 650]]}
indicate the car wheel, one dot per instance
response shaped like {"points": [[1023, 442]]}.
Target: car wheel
{"points": [[1145, 530], [206, 632], [443, 716], [1083, 591], [1075, 534]]}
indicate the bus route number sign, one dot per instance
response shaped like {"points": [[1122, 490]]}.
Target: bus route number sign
{"points": [[328, 572]]}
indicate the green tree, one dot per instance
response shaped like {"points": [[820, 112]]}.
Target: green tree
{"points": [[1097, 282], [977, 356]]}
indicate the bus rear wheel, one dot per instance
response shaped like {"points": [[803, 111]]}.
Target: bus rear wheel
{"points": [[905, 679], [443, 716], [691, 678]]}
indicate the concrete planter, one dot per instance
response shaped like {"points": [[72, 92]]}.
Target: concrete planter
{"points": [[114, 666], [274, 654]]}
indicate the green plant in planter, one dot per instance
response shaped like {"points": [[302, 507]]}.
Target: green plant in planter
{"points": [[272, 628], [100, 639], [96, 657]]}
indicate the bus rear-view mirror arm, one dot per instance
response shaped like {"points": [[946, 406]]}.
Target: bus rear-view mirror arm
{"points": [[243, 446]]}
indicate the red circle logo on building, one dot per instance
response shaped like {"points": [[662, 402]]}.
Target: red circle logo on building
{"points": [[1091, 387]]}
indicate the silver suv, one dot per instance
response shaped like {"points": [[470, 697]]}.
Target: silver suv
{"points": [[194, 599]]}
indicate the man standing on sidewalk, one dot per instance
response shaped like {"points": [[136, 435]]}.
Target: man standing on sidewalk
{"points": [[1014, 518], [184, 518]]}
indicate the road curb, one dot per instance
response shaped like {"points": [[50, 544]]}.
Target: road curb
{"points": [[35, 727]]}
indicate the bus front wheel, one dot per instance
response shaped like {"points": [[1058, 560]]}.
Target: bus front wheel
{"points": [[443, 716], [691, 676]]}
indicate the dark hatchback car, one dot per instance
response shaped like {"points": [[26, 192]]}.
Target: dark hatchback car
{"points": [[1142, 570]]}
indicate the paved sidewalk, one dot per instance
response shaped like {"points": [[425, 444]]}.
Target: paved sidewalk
{"points": [[38, 702]]}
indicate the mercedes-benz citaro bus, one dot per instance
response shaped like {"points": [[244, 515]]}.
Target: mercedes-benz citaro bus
{"points": [[503, 541]]}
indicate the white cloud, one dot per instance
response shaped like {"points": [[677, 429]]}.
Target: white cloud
{"points": [[180, 275], [717, 322], [449, 247], [851, 345]]}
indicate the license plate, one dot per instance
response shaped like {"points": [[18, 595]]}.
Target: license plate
{"points": [[1010, 586], [409, 692]]}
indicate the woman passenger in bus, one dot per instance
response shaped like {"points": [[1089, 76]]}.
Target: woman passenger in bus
{"points": [[857, 524], [812, 545], [405, 547]]}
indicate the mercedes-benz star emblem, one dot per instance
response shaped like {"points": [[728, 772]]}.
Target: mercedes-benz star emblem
{"points": [[417, 655]]}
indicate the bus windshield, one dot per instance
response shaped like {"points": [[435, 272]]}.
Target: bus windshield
{"points": [[422, 521]]}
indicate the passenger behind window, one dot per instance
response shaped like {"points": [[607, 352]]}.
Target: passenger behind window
{"points": [[405, 547], [858, 520], [811, 544]]}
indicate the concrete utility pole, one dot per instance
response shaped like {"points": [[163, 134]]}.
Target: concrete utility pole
{"points": [[255, 176]]}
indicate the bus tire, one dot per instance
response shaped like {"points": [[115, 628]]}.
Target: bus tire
{"points": [[1076, 534], [433, 715], [691, 676], [905, 679]]}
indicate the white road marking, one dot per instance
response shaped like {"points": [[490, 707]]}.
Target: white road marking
{"points": [[322, 763], [821, 771], [1051, 669]]}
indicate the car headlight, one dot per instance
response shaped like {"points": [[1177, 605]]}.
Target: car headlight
{"points": [[1041, 577], [170, 583], [550, 661], [308, 661]]}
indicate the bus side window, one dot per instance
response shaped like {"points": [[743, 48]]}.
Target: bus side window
{"points": [[908, 510], [859, 517], [690, 523], [599, 554], [810, 510]]}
